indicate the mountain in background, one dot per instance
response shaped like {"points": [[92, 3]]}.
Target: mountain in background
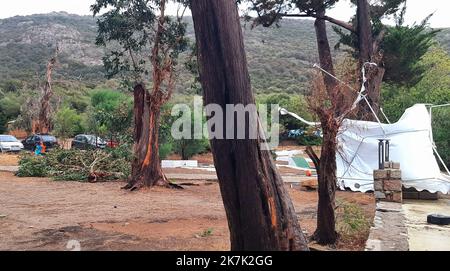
{"points": [[280, 59]]}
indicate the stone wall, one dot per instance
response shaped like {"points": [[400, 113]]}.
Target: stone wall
{"points": [[388, 183]]}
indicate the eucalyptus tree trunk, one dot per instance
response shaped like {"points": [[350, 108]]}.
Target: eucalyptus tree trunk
{"points": [[260, 213], [44, 125], [146, 168]]}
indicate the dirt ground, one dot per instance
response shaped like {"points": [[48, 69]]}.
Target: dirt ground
{"points": [[41, 214], [9, 159]]}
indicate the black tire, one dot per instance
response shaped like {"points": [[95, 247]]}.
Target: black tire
{"points": [[438, 219]]}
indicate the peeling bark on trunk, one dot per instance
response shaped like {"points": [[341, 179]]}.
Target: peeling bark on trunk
{"points": [[259, 211], [146, 167], [43, 125]]}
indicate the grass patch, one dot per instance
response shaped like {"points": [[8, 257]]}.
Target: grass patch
{"points": [[352, 224], [207, 232]]}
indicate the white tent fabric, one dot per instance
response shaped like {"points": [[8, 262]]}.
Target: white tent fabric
{"points": [[410, 144]]}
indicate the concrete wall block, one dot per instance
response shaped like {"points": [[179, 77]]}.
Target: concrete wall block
{"points": [[395, 165]]}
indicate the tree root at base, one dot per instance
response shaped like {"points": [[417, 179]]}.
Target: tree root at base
{"points": [[321, 241], [137, 185]]}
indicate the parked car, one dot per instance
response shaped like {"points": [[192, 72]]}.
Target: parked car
{"points": [[293, 134], [9, 143], [49, 141], [88, 142]]}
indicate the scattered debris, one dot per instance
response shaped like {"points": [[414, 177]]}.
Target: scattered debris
{"points": [[311, 184], [207, 232]]}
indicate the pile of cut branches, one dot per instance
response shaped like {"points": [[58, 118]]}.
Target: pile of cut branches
{"points": [[76, 165]]}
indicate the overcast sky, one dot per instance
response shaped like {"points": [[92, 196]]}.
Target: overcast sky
{"points": [[417, 9]]}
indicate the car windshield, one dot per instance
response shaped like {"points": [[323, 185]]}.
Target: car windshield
{"points": [[92, 139], [7, 138], [48, 138]]}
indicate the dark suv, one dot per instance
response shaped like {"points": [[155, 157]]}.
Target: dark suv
{"points": [[88, 142], [49, 141]]}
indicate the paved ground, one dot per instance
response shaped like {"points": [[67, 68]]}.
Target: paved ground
{"points": [[389, 232], [423, 236]]}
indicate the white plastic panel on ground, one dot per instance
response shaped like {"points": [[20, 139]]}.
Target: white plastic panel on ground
{"points": [[179, 163]]}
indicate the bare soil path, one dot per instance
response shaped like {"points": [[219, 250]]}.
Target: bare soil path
{"points": [[41, 214]]}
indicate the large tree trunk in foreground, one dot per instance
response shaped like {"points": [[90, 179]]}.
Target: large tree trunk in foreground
{"points": [[43, 125], [259, 211], [146, 167], [326, 224]]}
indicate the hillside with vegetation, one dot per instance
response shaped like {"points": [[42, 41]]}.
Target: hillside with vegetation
{"points": [[27, 42]]}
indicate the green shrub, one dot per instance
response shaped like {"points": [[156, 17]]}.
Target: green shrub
{"points": [[188, 148], [67, 123], [441, 133], [165, 150], [309, 140]]}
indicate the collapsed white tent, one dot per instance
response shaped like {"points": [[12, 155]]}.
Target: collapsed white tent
{"points": [[410, 144]]}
